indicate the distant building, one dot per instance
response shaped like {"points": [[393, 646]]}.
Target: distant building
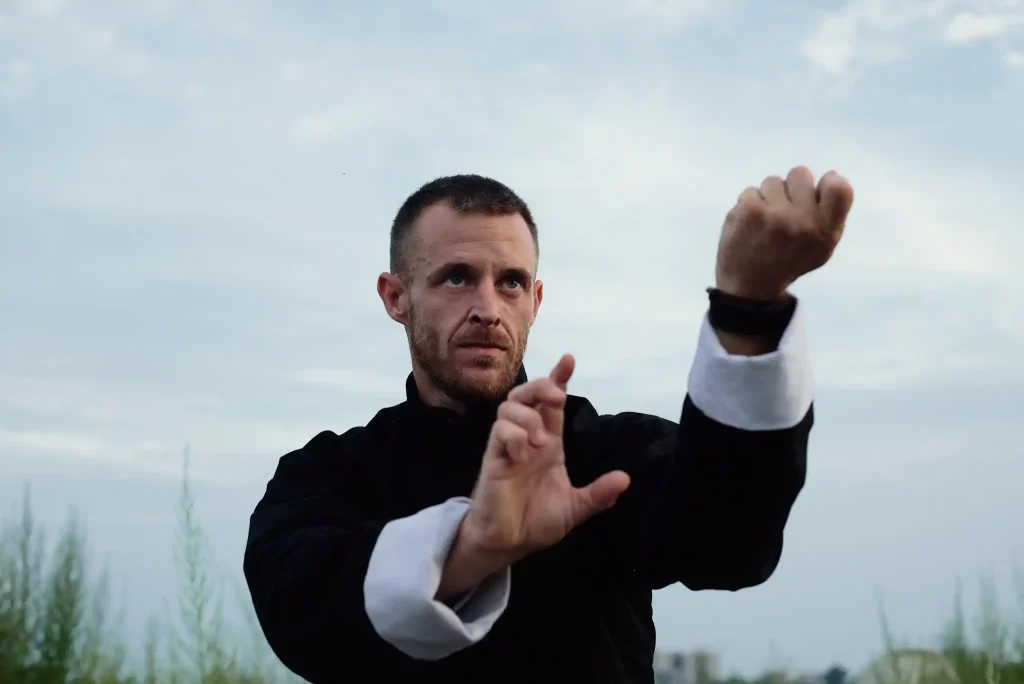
{"points": [[669, 668], [699, 667], [704, 668]]}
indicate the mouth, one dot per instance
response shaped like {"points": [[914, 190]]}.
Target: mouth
{"points": [[483, 347]]}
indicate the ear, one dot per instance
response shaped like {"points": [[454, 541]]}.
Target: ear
{"points": [[394, 295], [538, 297]]}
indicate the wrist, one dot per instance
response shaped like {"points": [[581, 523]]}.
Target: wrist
{"points": [[468, 564], [749, 326], [755, 291]]}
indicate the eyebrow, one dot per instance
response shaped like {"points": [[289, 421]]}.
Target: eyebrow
{"points": [[463, 268]]}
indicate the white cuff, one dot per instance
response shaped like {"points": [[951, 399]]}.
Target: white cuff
{"points": [[769, 392], [403, 577]]}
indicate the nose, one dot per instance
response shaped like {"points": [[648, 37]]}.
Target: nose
{"points": [[485, 309]]}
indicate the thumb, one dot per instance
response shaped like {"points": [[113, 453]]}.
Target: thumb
{"points": [[599, 495]]}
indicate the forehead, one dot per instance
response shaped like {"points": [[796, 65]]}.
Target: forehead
{"points": [[441, 235]]}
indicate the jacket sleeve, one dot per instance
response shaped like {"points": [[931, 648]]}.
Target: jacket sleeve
{"points": [[711, 495], [334, 588]]}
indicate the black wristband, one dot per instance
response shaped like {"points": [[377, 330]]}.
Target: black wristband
{"points": [[738, 315]]}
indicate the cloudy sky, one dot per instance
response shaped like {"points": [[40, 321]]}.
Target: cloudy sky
{"points": [[194, 205]]}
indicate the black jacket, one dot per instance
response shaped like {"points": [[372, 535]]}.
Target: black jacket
{"points": [[706, 507]]}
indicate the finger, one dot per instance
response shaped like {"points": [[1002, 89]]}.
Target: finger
{"points": [[836, 199], [510, 439], [527, 418], [599, 495], [800, 187], [773, 190], [748, 202], [562, 372], [540, 391], [750, 194], [554, 416]]}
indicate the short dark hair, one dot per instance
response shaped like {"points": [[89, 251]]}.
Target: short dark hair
{"points": [[466, 194]]}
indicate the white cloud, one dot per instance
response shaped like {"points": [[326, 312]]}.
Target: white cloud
{"points": [[667, 13], [195, 91], [47, 9], [102, 43], [872, 33], [337, 122], [547, 16], [969, 28], [16, 79], [1014, 59], [86, 446], [347, 380], [831, 47], [630, 173]]}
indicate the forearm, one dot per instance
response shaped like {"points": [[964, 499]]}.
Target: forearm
{"points": [[403, 585], [742, 451], [720, 485], [366, 588], [467, 566], [307, 593], [734, 491]]}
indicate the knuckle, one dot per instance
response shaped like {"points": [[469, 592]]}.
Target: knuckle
{"points": [[786, 223], [507, 430], [803, 223], [750, 210], [517, 414]]}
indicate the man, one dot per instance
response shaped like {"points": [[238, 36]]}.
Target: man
{"points": [[491, 528]]}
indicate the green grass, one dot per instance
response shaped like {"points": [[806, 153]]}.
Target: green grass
{"points": [[989, 651], [56, 625]]}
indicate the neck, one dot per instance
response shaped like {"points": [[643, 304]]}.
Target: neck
{"points": [[432, 396]]}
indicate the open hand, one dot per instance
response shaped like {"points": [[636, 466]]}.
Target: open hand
{"points": [[780, 231], [523, 500]]}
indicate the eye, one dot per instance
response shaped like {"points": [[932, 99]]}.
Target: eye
{"points": [[513, 282], [457, 279]]}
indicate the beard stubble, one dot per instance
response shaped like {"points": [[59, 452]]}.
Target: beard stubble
{"points": [[429, 354]]}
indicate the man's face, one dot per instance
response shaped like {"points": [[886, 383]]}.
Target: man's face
{"points": [[471, 299]]}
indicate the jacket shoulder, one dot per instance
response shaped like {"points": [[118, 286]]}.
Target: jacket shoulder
{"points": [[331, 459], [582, 417], [354, 440]]}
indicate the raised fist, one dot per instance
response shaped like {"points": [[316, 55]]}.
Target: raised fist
{"points": [[779, 231]]}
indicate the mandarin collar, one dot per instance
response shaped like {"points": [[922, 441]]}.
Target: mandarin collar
{"points": [[483, 410]]}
